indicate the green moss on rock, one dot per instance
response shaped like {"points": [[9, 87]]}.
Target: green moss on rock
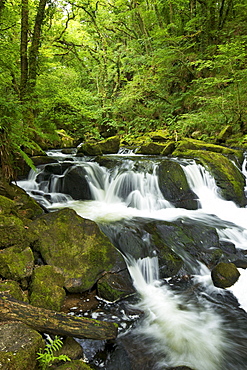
{"points": [[225, 275], [12, 231], [174, 186], [47, 288], [16, 264], [115, 286], [228, 177], [109, 145], [76, 246], [13, 289], [152, 148], [74, 365], [19, 345]]}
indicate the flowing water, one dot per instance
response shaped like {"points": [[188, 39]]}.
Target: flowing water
{"points": [[199, 331]]}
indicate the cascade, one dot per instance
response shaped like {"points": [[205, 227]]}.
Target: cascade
{"points": [[196, 332]]}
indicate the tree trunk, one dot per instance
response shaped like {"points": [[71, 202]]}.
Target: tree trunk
{"points": [[35, 45], [23, 48], [47, 321]]}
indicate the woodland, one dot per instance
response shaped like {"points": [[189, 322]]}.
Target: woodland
{"points": [[84, 67]]}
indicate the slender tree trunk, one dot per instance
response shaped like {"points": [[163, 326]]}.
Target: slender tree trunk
{"points": [[23, 49], [35, 45]]}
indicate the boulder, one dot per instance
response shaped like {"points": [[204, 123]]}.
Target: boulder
{"points": [[159, 135], [114, 286], [183, 243], [76, 247], [75, 184], [70, 348], [19, 345], [224, 275], [152, 148], [110, 145], [90, 149], [47, 288], [16, 264], [26, 206], [12, 231], [174, 186], [192, 144], [229, 178], [12, 288]]}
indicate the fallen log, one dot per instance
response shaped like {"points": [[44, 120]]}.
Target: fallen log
{"points": [[47, 321]]}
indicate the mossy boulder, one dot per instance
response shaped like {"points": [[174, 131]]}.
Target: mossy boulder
{"points": [[169, 148], [76, 246], [174, 186], [114, 286], [26, 206], [16, 264], [110, 145], [90, 149], [181, 244], [224, 275], [229, 178], [159, 135], [69, 183], [13, 289], [191, 144], [19, 345], [152, 148], [12, 231], [7, 206], [47, 288]]}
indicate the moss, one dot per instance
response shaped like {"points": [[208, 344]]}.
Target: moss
{"points": [[12, 231], [225, 275], [152, 148], [74, 365], [19, 346], [16, 264], [109, 145], [7, 206], [228, 177], [47, 288], [76, 246], [115, 286], [12, 288]]}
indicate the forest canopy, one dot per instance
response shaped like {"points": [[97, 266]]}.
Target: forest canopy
{"points": [[122, 66]]}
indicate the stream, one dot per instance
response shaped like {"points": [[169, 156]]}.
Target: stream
{"points": [[163, 325]]}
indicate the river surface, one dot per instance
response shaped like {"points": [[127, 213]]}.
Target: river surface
{"points": [[203, 332]]}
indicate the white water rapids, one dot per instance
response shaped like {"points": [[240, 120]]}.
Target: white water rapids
{"points": [[183, 333]]}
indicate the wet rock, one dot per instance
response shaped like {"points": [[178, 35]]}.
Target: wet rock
{"points": [[174, 186], [76, 246], [168, 149], [47, 288], [75, 184], [113, 286], [16, 264], [19, 346], [224, 275], [229, 178], [70, 348], [26, 206], [181, 244]]}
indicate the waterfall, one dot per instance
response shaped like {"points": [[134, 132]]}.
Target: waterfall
{"points": [[182, 331]]}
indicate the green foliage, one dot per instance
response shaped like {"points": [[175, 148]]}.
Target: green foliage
{"points": [[47, 357]]}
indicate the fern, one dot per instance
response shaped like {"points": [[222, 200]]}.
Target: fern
{"points": [[46, 358]]}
